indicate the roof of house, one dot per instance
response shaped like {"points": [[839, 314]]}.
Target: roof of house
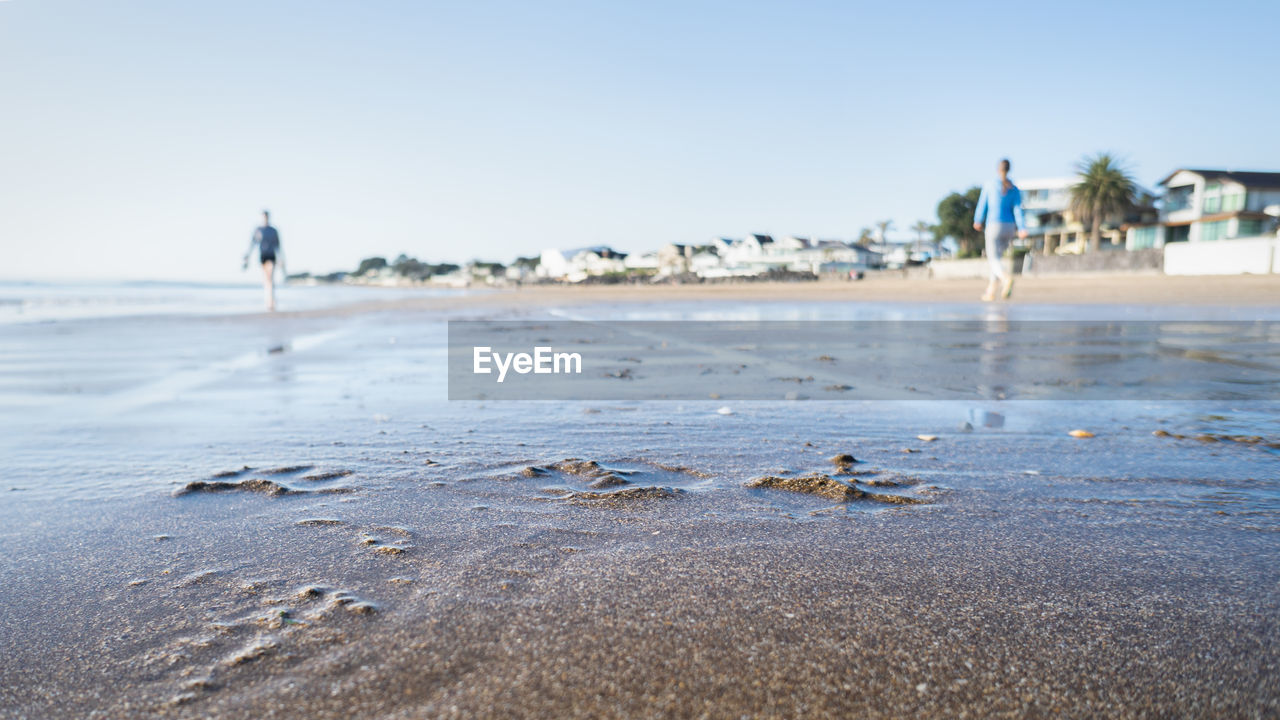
{"points": [[1248, 178], [603, 251]]}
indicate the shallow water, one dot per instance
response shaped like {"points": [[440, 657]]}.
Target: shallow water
{"points": [[26, 302], [120, 407]]}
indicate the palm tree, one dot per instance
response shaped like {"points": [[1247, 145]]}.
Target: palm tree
{"points": [[883, 227], [1105, 188], [920, 228]]}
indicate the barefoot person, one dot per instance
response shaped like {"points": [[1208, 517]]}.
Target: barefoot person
{"points": [[268, 242], [1000, 212]]}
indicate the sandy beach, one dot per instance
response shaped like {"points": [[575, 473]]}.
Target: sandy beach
{"points": [[1063, 289], [253, 516], [1240, 291]]}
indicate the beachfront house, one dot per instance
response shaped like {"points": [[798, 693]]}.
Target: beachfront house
{"points": [[705, 262], [835, 257], [790, 243], [1208, 205], [791, 253], [673, 259], [580, 263], [1053, 228], [721, 245], [641, 262], [895, 255], [1046, 206], [752, 255], [747, 251], [759, 254]]}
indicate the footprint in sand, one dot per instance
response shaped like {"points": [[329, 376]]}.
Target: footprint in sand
{"points": [[268, 627], [371, 539], [589, 481], [891, 488]]}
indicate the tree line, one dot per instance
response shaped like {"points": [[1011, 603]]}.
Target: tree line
{"points": [[415, 269]]}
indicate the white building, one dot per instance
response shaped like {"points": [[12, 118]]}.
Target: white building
{"points": [[673, 259], [1052, 227], [1045, 205], [704, 263], [1208, 205], [580, 263], [641, 261], [760, 254], [752, 255], [835, 255]]}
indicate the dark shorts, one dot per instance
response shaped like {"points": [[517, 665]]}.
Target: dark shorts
{"points": [[267, 257]]}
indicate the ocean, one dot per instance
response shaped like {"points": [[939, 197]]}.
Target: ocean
{"points": [[22, 302]]}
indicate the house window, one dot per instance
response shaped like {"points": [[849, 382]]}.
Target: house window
{"points": [[1213, 231], [1233, 202], [1178, 198], [1177, 233], [1249, 228], [1212, 197], [1144, 237]]}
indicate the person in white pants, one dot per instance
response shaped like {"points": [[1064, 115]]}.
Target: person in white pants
{"points": [[999, 217]]}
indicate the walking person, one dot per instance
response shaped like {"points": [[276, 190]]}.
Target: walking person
{"points": [[267, 239], [999, 213]]}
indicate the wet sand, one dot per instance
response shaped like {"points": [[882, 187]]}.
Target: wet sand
{"points": [[657, 607], [309, 530]]}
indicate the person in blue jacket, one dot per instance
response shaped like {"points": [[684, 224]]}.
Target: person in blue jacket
{"points": [[270, 254], [999, 215]]}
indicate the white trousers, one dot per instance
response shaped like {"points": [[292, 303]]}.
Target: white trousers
{"points": [[999, 235]]}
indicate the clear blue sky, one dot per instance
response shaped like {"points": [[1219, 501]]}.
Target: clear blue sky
{"points": [[139, 139]]}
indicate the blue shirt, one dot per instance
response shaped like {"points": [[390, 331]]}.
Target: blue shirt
{"points": [[1004, 208], [267, 240]]}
